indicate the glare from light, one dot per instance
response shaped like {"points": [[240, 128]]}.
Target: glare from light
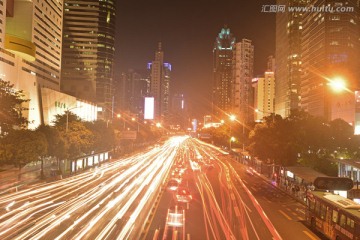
{"points": [[337, 84]]}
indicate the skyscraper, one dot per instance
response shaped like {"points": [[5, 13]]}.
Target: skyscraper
{"points": [[330, 49], [30, 49], [222, 69], [264, 94], [88, 52], [288, 57], [242, 90], [179, 113], [131, 90], [160, 76]]}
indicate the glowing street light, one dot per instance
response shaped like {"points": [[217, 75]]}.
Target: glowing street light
{"points": [[232, 118], [337, 84], [232, 139]]}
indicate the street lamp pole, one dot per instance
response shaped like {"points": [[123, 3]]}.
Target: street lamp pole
{"points": [[243, 140], [67, 120], [232, 118], [67, 116]]}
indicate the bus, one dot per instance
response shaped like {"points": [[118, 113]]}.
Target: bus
{"points": [[334, 216]]}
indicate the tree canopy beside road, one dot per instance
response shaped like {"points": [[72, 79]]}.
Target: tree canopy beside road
{"points": [[304, 139], [12, 105], [298, 139]]}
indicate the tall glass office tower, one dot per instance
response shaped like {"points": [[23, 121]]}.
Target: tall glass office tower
{"points": [[88, 52]]}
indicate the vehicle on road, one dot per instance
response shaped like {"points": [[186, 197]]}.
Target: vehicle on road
{"points": [[334, 216], [173, 184], [250, 171], [183, 195]]}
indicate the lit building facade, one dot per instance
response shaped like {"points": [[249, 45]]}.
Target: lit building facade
{"points": [[132, 88], [242, 90], [330, 49], [57, 103], [88, 52], [264, 95], [288, 57], [30, 50], [271, 66], [222, 70], [160, 76], [179, 112]]}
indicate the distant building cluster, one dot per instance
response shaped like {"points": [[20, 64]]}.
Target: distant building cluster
{"points": [[152, 83], [61, 54], [316, 51]]}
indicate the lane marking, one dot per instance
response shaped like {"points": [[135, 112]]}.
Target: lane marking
{"points": [[237, 212], [309, 235], [287, 216]]}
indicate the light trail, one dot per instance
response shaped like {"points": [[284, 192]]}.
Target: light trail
{"points": [[70, 208]]}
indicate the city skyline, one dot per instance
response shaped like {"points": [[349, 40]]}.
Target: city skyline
{"points": [[187, 30]]}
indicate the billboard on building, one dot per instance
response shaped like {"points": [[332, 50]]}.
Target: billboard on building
{"points": [[149, 108]]}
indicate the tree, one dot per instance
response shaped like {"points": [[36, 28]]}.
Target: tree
{"points": [[66, 118], [56, 143], [24, 146], [11, 108], [104, 136], [79, 139]]}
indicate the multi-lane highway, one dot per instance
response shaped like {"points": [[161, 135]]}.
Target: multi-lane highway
{"points": [[228, 202], [108, 202], [183, 189]]}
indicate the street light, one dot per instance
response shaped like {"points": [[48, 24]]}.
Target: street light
{"points": [[134, 119], [337, 84], [232, 139], [232, 118]]}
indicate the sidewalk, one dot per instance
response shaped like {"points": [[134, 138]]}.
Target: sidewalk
{"points": [[12, 178], [300, 195]]}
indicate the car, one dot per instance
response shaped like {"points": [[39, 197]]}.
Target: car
{"points": [[175, 217], [173, 184], [183, 195], [250, 171]]}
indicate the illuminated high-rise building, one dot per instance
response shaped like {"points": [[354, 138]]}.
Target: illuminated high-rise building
{"points": [[30, 49], [330, 49], [271, 64], [242, 91], [88, 52], [160, 76], [264, 95], [131, 89], [179, 111], [288, 57], [222, 70]]}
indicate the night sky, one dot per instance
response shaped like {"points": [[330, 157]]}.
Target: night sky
{"points": [[187, 30]]}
